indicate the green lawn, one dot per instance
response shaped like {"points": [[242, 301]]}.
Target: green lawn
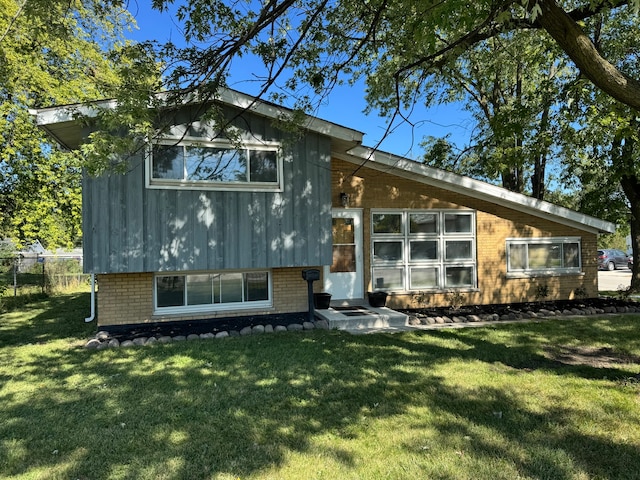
{"points": [[552, 400]]}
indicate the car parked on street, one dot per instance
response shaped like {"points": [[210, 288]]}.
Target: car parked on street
{"points": [[611, 258]]}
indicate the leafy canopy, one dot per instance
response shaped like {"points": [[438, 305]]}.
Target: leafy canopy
{"points": [[52, 53]]}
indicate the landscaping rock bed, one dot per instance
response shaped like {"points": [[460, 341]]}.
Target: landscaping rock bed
{"points": [[149, 334], [519, 311], [166, 332]]}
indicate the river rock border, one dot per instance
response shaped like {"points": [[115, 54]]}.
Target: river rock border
{"points": [[104, 339], [417, 319]]}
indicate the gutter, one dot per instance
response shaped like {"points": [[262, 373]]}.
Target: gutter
{"points": [[93, 300]]}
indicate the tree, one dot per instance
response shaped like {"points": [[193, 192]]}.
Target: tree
{"points": [[51, 52], [401, 47], [513, 88], [605, 149]]}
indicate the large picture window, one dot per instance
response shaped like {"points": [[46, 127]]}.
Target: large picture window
{"points": [[211, 291], [417, 250], [213, 165], [531, 256]]}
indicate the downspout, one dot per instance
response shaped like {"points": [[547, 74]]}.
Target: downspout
{"points": [[93, 300]]}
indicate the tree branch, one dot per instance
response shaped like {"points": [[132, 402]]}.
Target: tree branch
{"points": [[577, 45]]}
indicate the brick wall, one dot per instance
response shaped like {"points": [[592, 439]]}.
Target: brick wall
{"points": [[124, 298], [127, 298], [372, 189]]}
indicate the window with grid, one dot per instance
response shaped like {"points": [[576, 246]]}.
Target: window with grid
{"points": [[531, 256], [418, 250], [211, 291], [214, 165]]}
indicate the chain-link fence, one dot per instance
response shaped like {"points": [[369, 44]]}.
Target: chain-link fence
{"points": [[36, 273]]}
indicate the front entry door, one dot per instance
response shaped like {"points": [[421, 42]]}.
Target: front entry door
{"points": [[343, 279]]}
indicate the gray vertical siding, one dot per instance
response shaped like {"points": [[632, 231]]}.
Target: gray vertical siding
{"points": [[129, 228]]}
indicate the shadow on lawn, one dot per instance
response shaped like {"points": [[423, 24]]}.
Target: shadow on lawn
{"points": [[62, 316], [237, 407]]}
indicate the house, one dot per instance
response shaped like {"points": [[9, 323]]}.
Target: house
{"points": [[205, 229]]}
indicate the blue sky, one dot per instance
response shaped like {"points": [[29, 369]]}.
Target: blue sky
{"points": [[344, 106]]}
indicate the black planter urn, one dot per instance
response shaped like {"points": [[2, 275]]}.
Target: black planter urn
{"points": [[321, 301], [377, 299]]}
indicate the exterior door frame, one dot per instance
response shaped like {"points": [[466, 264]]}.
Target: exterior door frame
{"points": [[344, 286]]}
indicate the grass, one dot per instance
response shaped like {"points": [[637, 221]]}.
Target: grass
{"points": [[556, 400]]}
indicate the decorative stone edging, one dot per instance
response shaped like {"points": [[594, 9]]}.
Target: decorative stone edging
{"points": [[104, 340], [416, 319]]}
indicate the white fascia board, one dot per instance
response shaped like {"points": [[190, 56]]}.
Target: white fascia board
{"points": [[474, 188], [68, 113]]}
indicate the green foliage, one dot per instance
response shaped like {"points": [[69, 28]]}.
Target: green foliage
{"points": [[581, 292], [7, 249], [52, 52], [64, 275], [542, 292], [514, 79], [40, 187], [455, 299], [615, 240]]}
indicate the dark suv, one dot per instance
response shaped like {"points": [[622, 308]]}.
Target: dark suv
{"points": [[610, 259]]}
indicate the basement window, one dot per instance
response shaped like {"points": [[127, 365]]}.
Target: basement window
{"points": [[209, 291]]}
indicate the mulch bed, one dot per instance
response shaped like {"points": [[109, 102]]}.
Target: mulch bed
{"points": [[505, 309], [214, 325], [233, 325]]}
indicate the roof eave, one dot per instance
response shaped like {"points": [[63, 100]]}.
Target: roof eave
{"points": [[49, 118], [457, 183]]}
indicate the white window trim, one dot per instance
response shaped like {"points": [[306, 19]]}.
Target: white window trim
{"points": [[441, 237], [211, 307], [543, 272], [157, 183]]}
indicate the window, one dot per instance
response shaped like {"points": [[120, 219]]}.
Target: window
{"points": [[213, 165], [212, 291], [413, 250], [530, 256]]}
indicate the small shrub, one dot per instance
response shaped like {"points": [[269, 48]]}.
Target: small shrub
{"points": [[580, 292], [455, 299], [542, 292], [421, 299], [623, 292]]}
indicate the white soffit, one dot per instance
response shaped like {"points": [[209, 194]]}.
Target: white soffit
{"points": [[58, 120], [418, 172]]}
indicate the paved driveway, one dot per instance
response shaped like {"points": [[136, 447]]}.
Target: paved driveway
{"points": [[615, 280]]}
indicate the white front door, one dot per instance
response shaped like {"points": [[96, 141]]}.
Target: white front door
{"points": [[343, 279]]}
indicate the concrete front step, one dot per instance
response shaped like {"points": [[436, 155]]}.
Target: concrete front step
{"points": [[362, 317]]}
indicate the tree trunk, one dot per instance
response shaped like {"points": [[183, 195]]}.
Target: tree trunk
{"points": [[631, 187], [577, 45], [512, 179], [540, 165]]}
